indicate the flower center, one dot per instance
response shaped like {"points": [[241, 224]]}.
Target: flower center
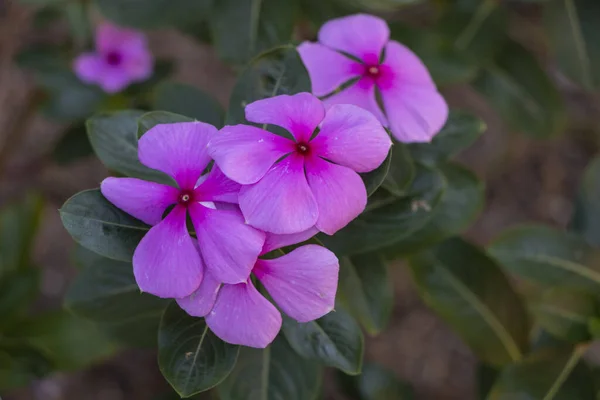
{"points": [[113, 58], [373, 71], [302, 148], [185, 197]]}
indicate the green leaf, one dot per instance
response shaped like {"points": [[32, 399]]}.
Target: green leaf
{"points": [[473, 296], [375, 383], [190, 356], [20, 365], [274, 373], [586, 219], [548, 257], [573, 31], [275, 72], [73, 146], [375, 178], [151, 119], [366, 289], [114, 139], [486, 376], [547, 374], [97, 225], [19, 288], [460, 204], [461, 131], [395, 219], [187, 100], [242, 29], [522, 93], [334, 340], [401, 171]]}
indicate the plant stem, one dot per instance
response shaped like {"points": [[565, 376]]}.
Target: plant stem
{"points": [[564, 374]]}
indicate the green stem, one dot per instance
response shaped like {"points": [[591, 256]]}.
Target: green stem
{"points": [[564, 374]]}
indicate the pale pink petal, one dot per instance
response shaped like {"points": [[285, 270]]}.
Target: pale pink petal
{"points": [[199, 303], [139, 67], [217, 187], [114, 80], [228, 246], [110, 37], [361, 94], [274, 242], [178, 150], [146, 201], [302, 283], [245, 153], [339, 191], [166, 263], [327, 68], [360, 35], [416, 113], [299, 114], [405, 67], [352, 137], [89, 67], [281, 202], [243, 316]]}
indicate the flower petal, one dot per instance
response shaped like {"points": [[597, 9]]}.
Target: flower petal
{"points": [[166, 262], [89, 67], [361, 94], [360, 35], [352, 137], [243, 316], [110, 37], [229, 247], [303, 282], [339, 191], [178, 150], [146, 201], [416, 113], [217, 187], [274, 242], [299, 114], [245, 153], [113, 80], [281, 202], [405, 67], [199, 303]]}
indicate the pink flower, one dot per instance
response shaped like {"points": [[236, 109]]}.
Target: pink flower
{"points": [[166, 262], [293, 185], [303, 283], [121, 58], [412, 107]]}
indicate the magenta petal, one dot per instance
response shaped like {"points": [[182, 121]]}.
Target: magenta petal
{"points": [[352, 137], [299, 114], [303, 283], [179, 150], [166, 262], [243, 316], [146, 201], [281, 202], [217, 187], [360, 35], [406, 67], [89, 67], [274, 242], [110, 37], [245, 153], [416, 113], [229, 247], [339, 191], [361, 94], [199, 303], [114, 80]]}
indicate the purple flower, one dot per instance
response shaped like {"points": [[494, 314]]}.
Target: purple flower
{"points": [[121, 58], [166, 262], [303, 283], [293, 185], [412, 107]]}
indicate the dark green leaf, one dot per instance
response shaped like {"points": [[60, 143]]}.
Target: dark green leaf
{"points": [[334, 340], [76, 14], [320, 11], [96, 224], [402, 171], [153, 118], [275, 72], [73, 146], [274, 373], [18, 289], [548, 256], [375, 178], [375, 383], [486, 376], [187, 100], [190, 356], [472, 295], [586, 219], [20, 365]]}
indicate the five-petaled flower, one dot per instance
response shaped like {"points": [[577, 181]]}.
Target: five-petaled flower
{"points": [[289, 186], [166, 262], [412, 107], [303, 283], [121, 58]]}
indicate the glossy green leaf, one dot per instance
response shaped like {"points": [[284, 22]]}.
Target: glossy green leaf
{"points": [[275, 72], [366, 289], [241, 29], [114, 139], [401, 171], [522, 93], [274, 373], [151, 119], [73, 146], [375, 178], [187, 100], [392, 220], [97, 225], [190, 356], [460, 131], [586, 219], [375, 383], [334, 340], [470, 292], [548, 256]]}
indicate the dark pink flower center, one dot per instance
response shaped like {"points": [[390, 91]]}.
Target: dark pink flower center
{"points": [[374, 71], [114, 58], [186, 197], [303, 148]]}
